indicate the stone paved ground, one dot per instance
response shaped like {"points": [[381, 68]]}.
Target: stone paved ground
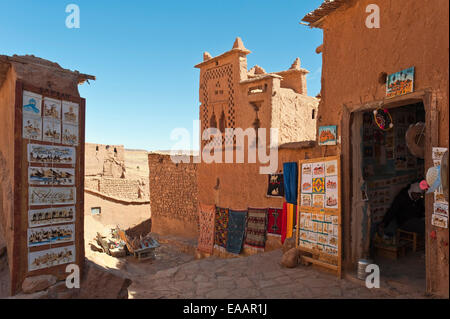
{"points": [[258, 276]]}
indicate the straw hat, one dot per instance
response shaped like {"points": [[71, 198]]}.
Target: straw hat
{"points": [[444, 174], [415, 139]]}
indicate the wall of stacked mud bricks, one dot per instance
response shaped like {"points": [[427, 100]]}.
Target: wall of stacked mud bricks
{"points": [[173, 196]]}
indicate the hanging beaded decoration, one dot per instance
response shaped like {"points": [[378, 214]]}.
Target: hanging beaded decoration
{"points": [[383, 119]]}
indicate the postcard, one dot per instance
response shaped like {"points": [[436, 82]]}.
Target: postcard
{"points": [[32, 128], [51, 216], [51, 257], [70, 112], [32, 104], [70, 134], [50, 235], [318, 170], [51, 195], [51, 176], [51, 130], [52, 108], [51, 154]]}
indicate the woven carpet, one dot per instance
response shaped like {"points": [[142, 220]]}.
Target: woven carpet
{"points": [[221, 225], [274, 220], [206, 228], [256, 228], [236, 231]]}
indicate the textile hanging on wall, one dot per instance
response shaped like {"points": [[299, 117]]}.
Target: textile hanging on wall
{"points": [[221, 225], [275, 185], [284, 222], [290, 176], [236, 231], [289, 220], [206, 231], [274, 217], [256, 228]]}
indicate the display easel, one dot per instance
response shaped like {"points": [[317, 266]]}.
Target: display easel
{"points": [[319, 219]]}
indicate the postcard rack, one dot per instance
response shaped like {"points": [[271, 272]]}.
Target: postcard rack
{"points": [[319, 235]]}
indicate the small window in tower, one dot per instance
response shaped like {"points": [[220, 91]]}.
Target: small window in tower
{"points": [[96, 148], [313, 115]]}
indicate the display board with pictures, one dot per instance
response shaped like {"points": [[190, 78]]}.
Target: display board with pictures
{"points": [[319, 212], [53, 154], [439, 218]]}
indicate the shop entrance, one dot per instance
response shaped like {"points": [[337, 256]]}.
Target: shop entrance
{"points": [[388, 164]]}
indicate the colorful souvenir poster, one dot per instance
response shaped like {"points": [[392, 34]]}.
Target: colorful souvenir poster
{"points": [[70, 112], [331, 186], [439, 197], [306, 184], [330, 168], [335, 220], [439, 221], [441, 209], [50, 235], [32, 104], [438, 152], [32, 128], [318, 185], [400, 83], [51, 195], [52, 108], [333, 241], [306, 200], [51, 216], [306, 169], [70, 134], [51, 130], [51, 257], [327, 135], [318, 170], [51, 176], [318, 200], [51, 154]]}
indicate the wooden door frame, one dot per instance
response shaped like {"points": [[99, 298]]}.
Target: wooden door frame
{"points": [[429, 100]]}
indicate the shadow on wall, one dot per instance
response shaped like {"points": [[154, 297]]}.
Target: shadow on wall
{"points": [[141, 229]]}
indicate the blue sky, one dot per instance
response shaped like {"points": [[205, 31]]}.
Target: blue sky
{"points": [[143, 54]]}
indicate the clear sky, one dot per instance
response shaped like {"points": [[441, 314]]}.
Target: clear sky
{"points": [[143, 54]]}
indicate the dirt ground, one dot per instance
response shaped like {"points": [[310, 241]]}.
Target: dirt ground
{"points": [[4, 277]]}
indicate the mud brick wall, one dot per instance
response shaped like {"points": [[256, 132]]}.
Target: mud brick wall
{"points": [[173, 196], [121, 188]]}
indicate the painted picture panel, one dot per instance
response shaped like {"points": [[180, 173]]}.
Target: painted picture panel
{"points": [[70, 134], [400, 83], [32, 128], [51, 130], [31, 104], [51, 154], [50, 235], [51, 176], [51, 257], [70, 112], [328, 135], [51, 216], [52, 108], [51, 195]]}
